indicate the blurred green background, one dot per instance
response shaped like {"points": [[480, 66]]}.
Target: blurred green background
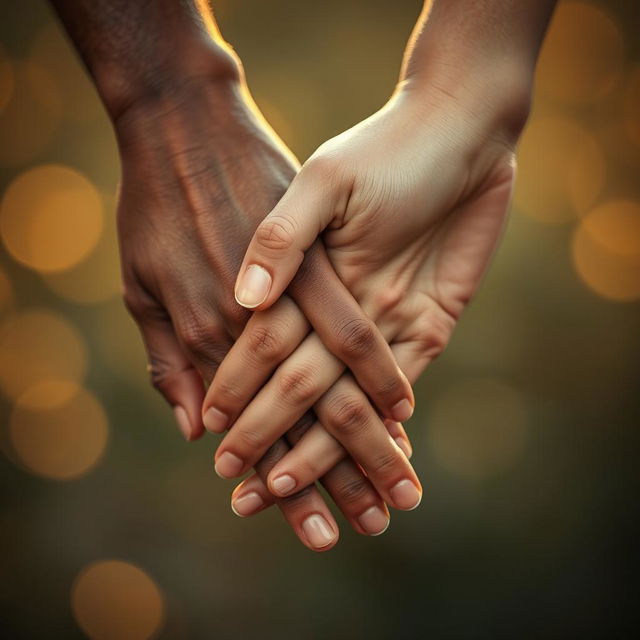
{"points": [[527, 428]]}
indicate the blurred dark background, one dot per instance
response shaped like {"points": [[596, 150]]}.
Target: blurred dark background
{"points": [[527, 428]]}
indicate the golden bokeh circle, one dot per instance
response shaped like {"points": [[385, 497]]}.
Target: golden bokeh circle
{"points": [[97, 278], [48, 394], [478, 428], [39, 345], [58, 430], [561, 171], [6, 79], [606, 250], [51, 218], [583, 54], [116, 600], [28, 125]]}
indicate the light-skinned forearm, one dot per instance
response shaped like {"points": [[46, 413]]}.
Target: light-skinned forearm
{"points": [[484, 50]]}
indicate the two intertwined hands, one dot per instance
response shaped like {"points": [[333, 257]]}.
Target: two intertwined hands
{"points": [[359, 263]]}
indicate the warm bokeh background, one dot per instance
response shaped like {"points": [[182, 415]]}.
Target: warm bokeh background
{"points": [[526, 429]]}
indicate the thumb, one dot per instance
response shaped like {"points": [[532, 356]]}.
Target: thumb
{"points": [[278, 245]]}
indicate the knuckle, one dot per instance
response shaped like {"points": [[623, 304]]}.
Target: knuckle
{"points": [[132, 304], [384, 463], [227, 394], [139, 302], [355, 339], [432, 334], [388, 299], [430, 345], [324, 166], [297, 386], [353, 491], [276, 233], [195, 336], [266, 344], [347, 416], [200, 335], [138, 306], [390, 386], [250, 439]]}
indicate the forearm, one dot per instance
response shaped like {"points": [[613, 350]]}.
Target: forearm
{"points": [[137, 50], [478, 49]]}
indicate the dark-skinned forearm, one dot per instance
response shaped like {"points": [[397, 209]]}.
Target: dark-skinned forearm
{"points": [[140, 49]]}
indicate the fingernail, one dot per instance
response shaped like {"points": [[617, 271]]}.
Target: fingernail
{"points": [[374, 521], [228, 465], [183, 421], [402, 411], [283, 485], [405, 495], [214, 420], [318, 532], [403, 444], [246, 505], [253, 287]]}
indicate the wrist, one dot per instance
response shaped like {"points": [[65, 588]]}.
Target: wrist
{"points": [[495, 95], [151, 85], [480, 54], [193, 113], [205, 126]]}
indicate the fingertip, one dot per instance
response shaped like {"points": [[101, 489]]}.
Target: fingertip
{"points": [[253, 286], [228, 465], [184, 423], [214, 420], [320, 535], [402, 410], [374, 521], [282, 484], [323, 549], [406, 495], [247, 504]]}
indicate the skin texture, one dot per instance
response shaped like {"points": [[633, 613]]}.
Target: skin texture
{"points": [[410, 203], [412, 248], [178, 270], [199, 170], [188, 201], [139, 76]]}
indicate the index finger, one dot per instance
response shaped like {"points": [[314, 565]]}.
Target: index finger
{"points": [[306, 511], [351, 335]]}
